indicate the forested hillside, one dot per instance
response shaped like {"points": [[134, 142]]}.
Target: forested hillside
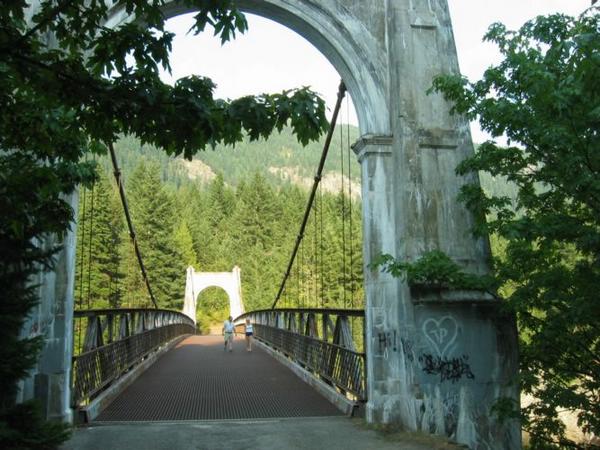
{"points": [[244, 212], [229, 206], [279, 159]]}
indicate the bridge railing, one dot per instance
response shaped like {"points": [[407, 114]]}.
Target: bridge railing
{"points": [[326, 342], [115, 340]]}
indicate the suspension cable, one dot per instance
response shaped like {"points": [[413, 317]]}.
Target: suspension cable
{"points": [[350, 207], [321, 244], [119, 180], [351, 268], [302, 284], [81, 264], [91, 233], [341, 93], [315, 255], [342, 198], [297, 283], [82, 249]]}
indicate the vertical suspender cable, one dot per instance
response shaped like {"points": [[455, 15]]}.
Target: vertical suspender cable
{"points": [[301, 265], [297, 302], [350, 209], [82, 249], [117, 174], [351, 271], [341, 93], [343, 194], [127, 294], [321, 244], [91, 233], [81, 264], [316, 256]]}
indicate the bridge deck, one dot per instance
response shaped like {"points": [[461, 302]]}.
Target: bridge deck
{"points": [[197, 380]]}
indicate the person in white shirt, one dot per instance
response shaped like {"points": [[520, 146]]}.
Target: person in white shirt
{"points": [[228, 330], [249, 333]]}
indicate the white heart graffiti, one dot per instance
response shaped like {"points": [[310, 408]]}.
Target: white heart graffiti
{"points": [[441, 333]]}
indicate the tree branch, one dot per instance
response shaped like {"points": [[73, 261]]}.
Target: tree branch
{"points": [[50, 16]]}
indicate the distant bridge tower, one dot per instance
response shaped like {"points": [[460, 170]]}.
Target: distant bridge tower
{"points": [[196, 282]]}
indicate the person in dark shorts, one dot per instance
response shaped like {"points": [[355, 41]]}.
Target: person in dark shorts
{"points": [[249, 333]]}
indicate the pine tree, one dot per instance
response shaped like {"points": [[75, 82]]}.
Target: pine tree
{"points": [[214, 242], [133, 292], [185, 244], [154, 215], [99, 234]]}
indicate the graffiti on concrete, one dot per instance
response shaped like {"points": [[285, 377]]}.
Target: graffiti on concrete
{"points": [[41, 323], [450, 406], [407, 348], [448, 369], [441, 334], [387, 340]]}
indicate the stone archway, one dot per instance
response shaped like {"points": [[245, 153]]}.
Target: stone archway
{"points": [[435, 362], [196, 282]]}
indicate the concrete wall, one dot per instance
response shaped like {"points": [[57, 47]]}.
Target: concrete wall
{"points": [[53, 318]]}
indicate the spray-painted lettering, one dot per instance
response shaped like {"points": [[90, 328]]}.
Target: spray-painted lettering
{"points": [[449, 369], [387, 340]]}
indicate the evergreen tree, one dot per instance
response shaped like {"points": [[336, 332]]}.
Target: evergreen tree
{"points": [[67, 88], [153, 212], [99, 234], [185, 244], [221, 202], [255, 214], [133, 292], [215, 244]]}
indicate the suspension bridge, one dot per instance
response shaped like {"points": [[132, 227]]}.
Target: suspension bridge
{"points": [[148, 364], [427, 358], [114, 346]]}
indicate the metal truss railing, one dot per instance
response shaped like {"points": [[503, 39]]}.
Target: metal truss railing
{"points": [[115, 341], [323, 341]]}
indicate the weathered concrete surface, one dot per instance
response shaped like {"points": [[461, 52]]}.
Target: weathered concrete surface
{"points": [[311, 433], [50, 379], [196, 282], [434, 365]]}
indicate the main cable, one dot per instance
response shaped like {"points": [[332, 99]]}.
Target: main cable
{"points": [[117, 174], [342, 199]]}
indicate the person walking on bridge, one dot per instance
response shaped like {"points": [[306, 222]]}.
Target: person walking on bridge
{"points": [[249, 333], [228, 330]]}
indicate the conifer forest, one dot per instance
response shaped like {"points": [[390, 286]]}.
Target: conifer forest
{"points": [[230, 206]]}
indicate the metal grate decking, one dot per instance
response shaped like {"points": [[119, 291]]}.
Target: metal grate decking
{"points": [[197, 380]]}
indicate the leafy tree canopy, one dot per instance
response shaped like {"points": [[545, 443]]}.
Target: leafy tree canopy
{"points": [[70, 84], [545, 98]]}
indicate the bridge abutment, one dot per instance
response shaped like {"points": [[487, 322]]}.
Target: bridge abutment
{"points": [[437, 360], [50, 380]]}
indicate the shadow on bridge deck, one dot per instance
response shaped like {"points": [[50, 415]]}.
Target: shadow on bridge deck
{"points": [[198, 380]]}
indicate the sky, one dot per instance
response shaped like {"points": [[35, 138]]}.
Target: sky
{"points": [[271, 58]]}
